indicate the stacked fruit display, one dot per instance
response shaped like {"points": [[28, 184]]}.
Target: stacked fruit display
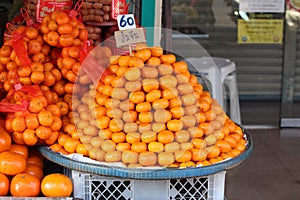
{"points": [[38, 66], [149, 110], [22, 175], [142, 110]]}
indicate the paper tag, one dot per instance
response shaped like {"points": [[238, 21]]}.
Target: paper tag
{"points": [[126, 22], [130, 36]]}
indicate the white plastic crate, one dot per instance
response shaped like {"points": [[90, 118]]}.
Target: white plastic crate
{"points": [[94, 187]]}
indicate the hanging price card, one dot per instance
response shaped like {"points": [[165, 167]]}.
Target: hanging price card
{"points": [[130, 36], [126, 22]]}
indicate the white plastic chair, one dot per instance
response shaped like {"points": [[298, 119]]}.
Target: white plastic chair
{"points": [[219, 72]]}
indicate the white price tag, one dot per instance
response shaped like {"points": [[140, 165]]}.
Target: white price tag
{"points": [[126, 22], [128, 37]]}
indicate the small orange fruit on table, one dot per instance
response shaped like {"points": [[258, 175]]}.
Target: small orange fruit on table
{"points": [[56, 185], [25, 184]]}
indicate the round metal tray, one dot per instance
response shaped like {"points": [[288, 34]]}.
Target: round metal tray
{"points": [[148, 174]]}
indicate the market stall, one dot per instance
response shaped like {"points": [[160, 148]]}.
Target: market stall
{"points": [[82, 89]]}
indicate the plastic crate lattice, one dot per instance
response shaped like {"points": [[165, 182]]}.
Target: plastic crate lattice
{"points": [[192, 188], [94, 187]]}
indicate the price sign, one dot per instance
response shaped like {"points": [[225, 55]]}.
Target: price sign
{"points": [[126, 22], [129, 36]]}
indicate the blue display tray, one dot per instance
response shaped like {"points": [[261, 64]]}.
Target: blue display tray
{"points": [[148, 174]]}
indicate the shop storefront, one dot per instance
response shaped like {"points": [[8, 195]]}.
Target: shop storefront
{"points": [[267, 67]]}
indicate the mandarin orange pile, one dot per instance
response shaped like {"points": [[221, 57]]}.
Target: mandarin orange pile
{"points": [[22, 175], [36, 76], [146, 109], [151, 111], [43, 76]]}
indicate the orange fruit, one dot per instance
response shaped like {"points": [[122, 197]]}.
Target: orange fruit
{"points": [[113, 156], [129, 157], [95, 153], [223, 145], [139, 147], [156, 51], [108, 145], [165, 158], [189, 121], [105, 133], [43, 132], [196, 132], [160, 104], [17, 138], [150, 84], [25, 184], [31, 121], [165, 69], [183, 156], [130, 127], [45, 118], [29, 137], [149, 72], [5, 141], [130, 86], [186, 145], [103, 122], [116, 125], [236, 136], [56, 185], [143, 107], [52, 139], [4, 185], [135, 62], [133, 137], [129, 116], [174, 125], [155, 147], [35, 105], [153, 95], [235, 152], [133, 74], [167, 82], [148, 136], [71, 144], [168, 58], [143, 54], [241, 147], [231, 140], [213, 151], [147, 158], [157, 127], [18, 124], [137, 97], [36, 160], [165, 137], [145, 117], [20, 149], [118, 137], [153, 61], [172, 147], [198, 143], [177, 112], [198, 154], [180, 67], [12, 163], [35, 170], [123, 146], [162, 116]]}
